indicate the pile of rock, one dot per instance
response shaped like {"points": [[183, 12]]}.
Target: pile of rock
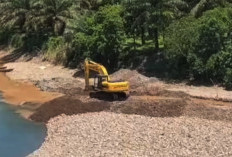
{"points": [[109, 134]]}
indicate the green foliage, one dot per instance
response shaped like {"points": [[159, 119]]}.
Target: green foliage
{"points": [[149, 18], [17, 41], [198, 7], [201, 46], [102, 36], [57, 50], [16, 13], [228, 79], [35, 41], [182, 37], [219, 63], [54, 14], [181, 40], [5, 35], [28, 42]]}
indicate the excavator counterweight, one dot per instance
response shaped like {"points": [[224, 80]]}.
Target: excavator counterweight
{"points": [[102, 86]]}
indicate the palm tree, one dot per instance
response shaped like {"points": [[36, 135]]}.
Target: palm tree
{"points": [[15, 13], [151, 16], [137, 17], [89, 4], [54, 14], [201, 6], [162, 13]]}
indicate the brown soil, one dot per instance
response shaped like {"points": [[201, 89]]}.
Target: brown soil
{"points": [[70, 105], [66, 105], [164, 104], [20, 93], [209, 109]]}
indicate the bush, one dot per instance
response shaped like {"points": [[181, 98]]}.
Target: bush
{"points": [[220, 67], [17, 41], [5, 35], [228, 79], [81, 44], [28, 42], [35, 41], [57, 50], [181, 40]]}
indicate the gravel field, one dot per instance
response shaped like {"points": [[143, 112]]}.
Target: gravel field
{"points": [[111, 135]]}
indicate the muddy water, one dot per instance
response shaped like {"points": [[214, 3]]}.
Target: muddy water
{"points": [[18, 137]]}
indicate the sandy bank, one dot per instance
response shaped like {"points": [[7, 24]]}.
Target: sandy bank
{"points": [[17, 93]]}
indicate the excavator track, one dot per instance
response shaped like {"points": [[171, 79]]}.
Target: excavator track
{"points": [[122, 96]]}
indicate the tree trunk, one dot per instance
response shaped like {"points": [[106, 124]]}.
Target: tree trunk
{"points": [[134, 37], [59, 26], [143, 36], [156, 34]]}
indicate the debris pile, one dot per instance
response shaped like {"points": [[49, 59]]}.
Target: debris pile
{"points": [[139, 84], [133, 77]]}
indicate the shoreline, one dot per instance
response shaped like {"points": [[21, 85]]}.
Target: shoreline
{"points": [[23, 96]]}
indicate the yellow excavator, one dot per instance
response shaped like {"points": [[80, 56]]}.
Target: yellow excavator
{"points": [[102, 86]]}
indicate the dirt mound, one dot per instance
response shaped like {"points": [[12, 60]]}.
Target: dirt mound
{"points": [[139, 84], [66, 105], [136, 79]]}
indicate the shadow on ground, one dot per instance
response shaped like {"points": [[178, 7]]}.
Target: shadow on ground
{"points": [[66, 105], [13, 56]]}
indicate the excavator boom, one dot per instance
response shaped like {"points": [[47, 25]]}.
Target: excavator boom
{"points": [[90, 65]]}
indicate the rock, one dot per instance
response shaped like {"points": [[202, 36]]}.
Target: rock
{"points": [[42, 67]]}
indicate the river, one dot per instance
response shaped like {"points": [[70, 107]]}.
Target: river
{"points": [[18, 137]]}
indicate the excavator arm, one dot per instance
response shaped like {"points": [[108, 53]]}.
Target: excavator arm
{"points": [[90, 65]]}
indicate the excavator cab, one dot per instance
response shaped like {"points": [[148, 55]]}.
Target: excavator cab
{"points": [[98, 81]]}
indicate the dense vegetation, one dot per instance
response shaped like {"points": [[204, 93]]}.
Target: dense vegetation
{"points": [[187, 39]]}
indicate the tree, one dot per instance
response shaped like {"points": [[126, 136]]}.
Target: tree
{"points": [[103, 34], [201, 46], [54, 14], [151, 17], [16, 13], [198, 7]]}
